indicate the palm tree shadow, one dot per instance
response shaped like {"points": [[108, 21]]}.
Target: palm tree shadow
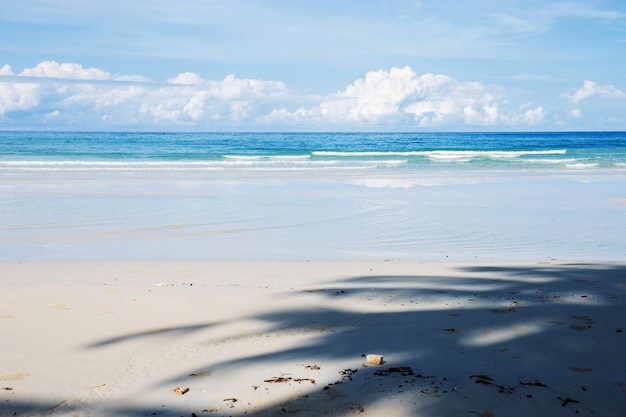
{"points": [[504, 340], [178, 331]]}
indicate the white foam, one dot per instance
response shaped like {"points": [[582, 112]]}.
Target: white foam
{"points": [[449, 158], [280, 163], [551, 161], [442, 154], [270, 157], [365, 154], [581, 166]]}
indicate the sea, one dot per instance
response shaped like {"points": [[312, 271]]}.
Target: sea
{"points": [[298, 196]]}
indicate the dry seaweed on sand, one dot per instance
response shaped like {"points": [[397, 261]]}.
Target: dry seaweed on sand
{"points": [[537, 383], [487, 380]]}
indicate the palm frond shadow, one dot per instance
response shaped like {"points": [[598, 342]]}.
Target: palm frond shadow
{"points": [[523, 338]]}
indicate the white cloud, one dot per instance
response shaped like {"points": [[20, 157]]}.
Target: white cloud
{"points": [[51, 69], [395, 98], [534, 116], [400, 96], [591, 89], [16, 96], [71, 71], [575, 114], [6, 70], [51, 88], [187, 78]]}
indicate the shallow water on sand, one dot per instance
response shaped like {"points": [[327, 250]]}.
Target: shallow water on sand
{"points": [[463, 217]]}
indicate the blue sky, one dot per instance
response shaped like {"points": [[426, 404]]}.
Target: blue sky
{"points": [[313, 65]]}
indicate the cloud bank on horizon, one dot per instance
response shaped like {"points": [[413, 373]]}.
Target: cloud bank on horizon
{"points": [[491, 68], [67, 94]]}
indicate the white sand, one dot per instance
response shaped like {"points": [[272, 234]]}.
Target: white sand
{"points": [[118, 338]]}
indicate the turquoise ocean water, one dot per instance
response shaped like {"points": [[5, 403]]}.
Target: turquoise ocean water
{"points": [[426, 196], [209, 153]]}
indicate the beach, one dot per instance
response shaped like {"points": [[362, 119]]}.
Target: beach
{"points": [[301, 208], [191, 275], [263, 338]]}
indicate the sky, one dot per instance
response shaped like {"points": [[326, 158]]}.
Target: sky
{"points": [[323, 65]]}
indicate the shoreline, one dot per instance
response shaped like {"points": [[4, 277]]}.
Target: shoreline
{"points": [[117, 338]]}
